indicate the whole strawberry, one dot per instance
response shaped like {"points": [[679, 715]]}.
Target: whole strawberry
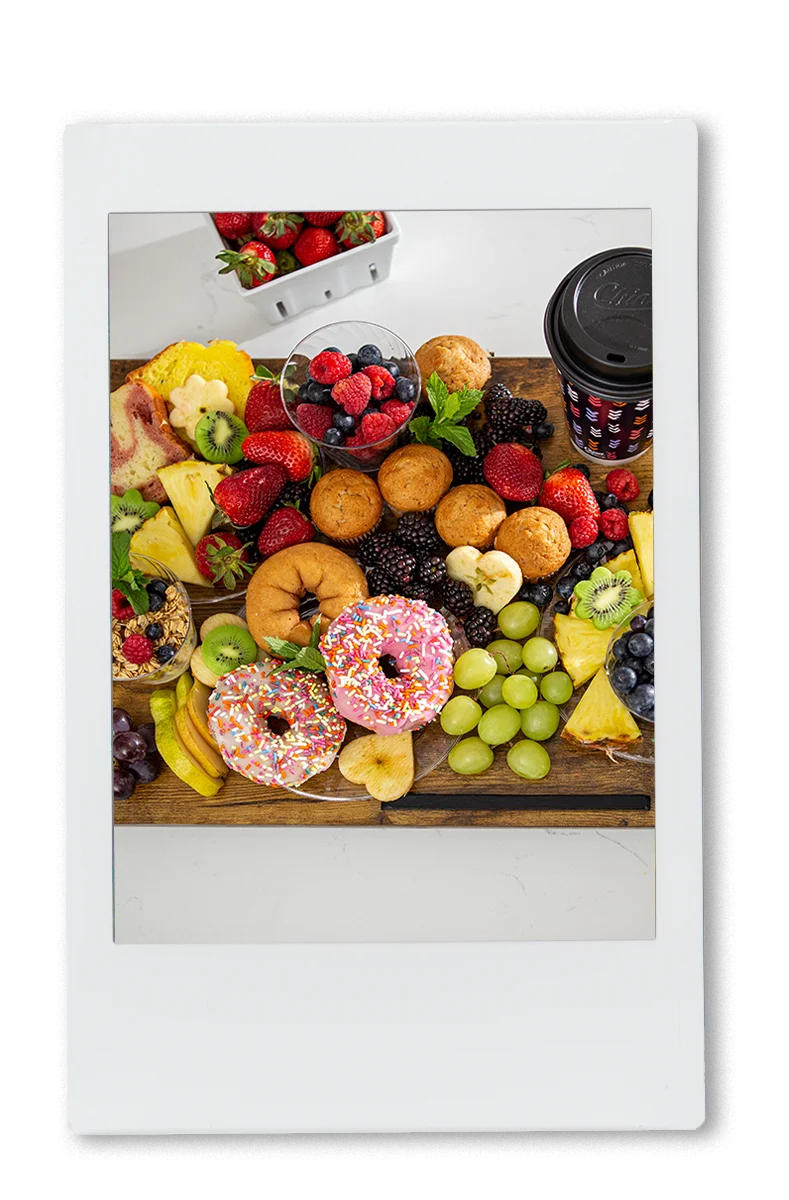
{"points": [[254, 264], [285, 527], [322, 219], [288, 449], [222, 558], [513, 471], [315, 419], [569, 493], [233, 225], [314, 245], [248, 495], [353, 394], [622, 483], [278, 230], [265, 409], [356, 228]]}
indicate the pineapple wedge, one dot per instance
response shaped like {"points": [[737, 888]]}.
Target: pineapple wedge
{"points": [[187, 484], [582, 647], [162, 537], [642, 533], [600, 716]]}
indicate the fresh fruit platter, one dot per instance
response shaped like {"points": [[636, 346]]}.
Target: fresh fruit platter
{"points": [[361, 587]]}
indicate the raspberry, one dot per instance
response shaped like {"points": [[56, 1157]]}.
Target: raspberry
{"points": [[376, 426], [314, 419], [137, 649], [353, 394], [583, 531], [613, 523], [397, 411], [383, 383], [329, 367], [121, 609], [622, 483]]}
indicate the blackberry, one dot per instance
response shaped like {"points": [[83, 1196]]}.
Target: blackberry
{"points": [[417, 533], [295, 495], [371, 548], [497, 391], [419, 591], [379, 583], [399, 565], [510, 412], [432, 571], [458, 598], [480, 627]]}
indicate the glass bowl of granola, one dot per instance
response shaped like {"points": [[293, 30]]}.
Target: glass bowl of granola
{"points": [[154, 646]]}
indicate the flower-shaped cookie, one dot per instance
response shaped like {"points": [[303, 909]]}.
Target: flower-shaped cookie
{"points": [[196, 398]]}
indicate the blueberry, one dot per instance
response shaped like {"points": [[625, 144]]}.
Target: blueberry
{"points": [[565, 587], [391, 366], [155, 601], [649, 499], [624, 679], [641, 645], [303, 393], [541, 594], [405, 390], [353, 359], [638, 624], [317, 393], [649, 664], [165, 653], [610, 501], [344, 422], [620, 648], [582, 467], [156, 585], [651, 614], [154, 631], [332, 350], [544, 431], [607, 545], [582, 569], [334, 436], [562, 606], [369, 356], [650, 627], [595, 552], [642, 700], [620, 547]]}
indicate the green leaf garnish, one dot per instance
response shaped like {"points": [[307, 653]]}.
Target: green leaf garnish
{"points": [[450, 408], [305, 658], [125, 577]]}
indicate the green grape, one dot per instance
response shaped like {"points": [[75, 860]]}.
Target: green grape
{"points": [[529, 760], [460, 715], [539, 655], [518, 620], [471, 756], [492, 692], [499, 724], [507, 655], [474, 669], [540, 721], [519, 691], [532, 675], [556, 687]]}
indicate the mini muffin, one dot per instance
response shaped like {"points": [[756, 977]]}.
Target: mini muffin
{"points": [[469, 515], [345, 505], [537, 539], [414, 478], [457, 360]]}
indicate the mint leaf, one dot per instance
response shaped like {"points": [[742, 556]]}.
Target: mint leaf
{"points": [[135, 592], [451, 408], [437, 394], [420, 427], [468, 399], [315, 636], [120, 554], [458, 436], [310, 660], [282, 648]]}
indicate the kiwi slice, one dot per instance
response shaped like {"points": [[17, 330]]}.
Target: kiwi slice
{"points": [[129, 511], [228, 647], [219, 436], [605, 599]]}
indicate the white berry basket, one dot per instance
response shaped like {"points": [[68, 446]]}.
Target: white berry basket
{"points": [[310, 287]]}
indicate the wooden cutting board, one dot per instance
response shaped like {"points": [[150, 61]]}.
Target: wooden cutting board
{"points": [[585, 787]]}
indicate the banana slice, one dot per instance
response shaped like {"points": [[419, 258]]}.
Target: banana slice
{"points": [[218, 619], [199, 668]]}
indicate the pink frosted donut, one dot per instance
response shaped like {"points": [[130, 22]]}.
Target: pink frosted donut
{"points": [[238, 710], [418, 639]]}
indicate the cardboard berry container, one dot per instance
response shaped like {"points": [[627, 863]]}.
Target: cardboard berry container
{"points": [[310, 287]]}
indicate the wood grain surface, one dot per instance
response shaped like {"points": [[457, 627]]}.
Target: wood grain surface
{"points": [[584, 788]]}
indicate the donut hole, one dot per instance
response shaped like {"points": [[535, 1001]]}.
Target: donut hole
{"points": [[308, 605], [389, 666], [277, 725]]}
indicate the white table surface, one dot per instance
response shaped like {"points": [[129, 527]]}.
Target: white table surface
{"points": [[486, 275]]}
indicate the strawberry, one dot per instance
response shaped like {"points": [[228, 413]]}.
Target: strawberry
{"points": [[397, 410], [121, 609], [613, 524], [356, 228], [222, 558], [314, 245], [254, 263], [569, 493], [353, 394], [383, 383], [278, 230], [137, 649], [233, 225], [623, 484], [285, 527], [248, 495], [265, 409], [513, 471], [286, 448], [377, 426], [329, 367], [583, 531], [322, 219], [315, 419]]}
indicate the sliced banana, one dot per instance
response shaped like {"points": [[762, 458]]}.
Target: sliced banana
{"points": [[199, 668], [218, 619]]}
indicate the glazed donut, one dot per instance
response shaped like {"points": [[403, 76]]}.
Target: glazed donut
{"points": [[280, 583], [238, 710], [418, 639]]}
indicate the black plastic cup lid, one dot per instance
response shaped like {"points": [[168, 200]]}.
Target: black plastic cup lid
{"points": [[599, 322]]}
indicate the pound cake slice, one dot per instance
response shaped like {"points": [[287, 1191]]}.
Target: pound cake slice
{"points": [[141, 441], [218, 360]]}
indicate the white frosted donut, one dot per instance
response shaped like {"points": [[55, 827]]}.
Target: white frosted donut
{"points": [[238, 712]]}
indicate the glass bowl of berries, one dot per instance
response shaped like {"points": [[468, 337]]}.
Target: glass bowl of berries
{"points": [[352, 387], [153, 630], [630, 661]]}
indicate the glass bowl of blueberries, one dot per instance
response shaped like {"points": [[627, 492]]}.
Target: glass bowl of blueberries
{"points": [[352, 387], [630, 661]]}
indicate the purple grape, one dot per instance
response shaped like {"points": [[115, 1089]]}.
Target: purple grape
{"points": [[123, 783], [121, 721], [148, 731], [129, 747], [147, 769]]}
